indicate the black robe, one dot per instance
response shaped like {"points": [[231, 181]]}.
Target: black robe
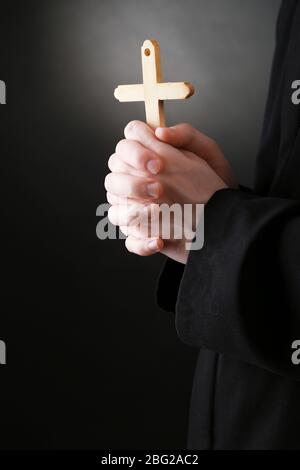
{"points": [[238, 299]]}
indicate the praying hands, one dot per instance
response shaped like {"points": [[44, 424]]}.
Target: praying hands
{"points": [[176, 165]]}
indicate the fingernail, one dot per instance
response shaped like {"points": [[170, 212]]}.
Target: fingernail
{"points": [[152, 245], [153, 189], [153, 166]]}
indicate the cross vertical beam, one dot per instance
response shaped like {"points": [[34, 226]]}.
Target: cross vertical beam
{"points": [[152, 75]]}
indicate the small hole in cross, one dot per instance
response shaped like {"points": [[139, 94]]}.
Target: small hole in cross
{"points": [[147, 52]]}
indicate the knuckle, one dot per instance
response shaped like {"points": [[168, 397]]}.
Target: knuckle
{"points": [[131, 127], [111, 215], [128, 244], [107, 181], [120, 146], [111, 161]]}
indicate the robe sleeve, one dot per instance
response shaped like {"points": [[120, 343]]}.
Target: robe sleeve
{"points": [[240, 294]]}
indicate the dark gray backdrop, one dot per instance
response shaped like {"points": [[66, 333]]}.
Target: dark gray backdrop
{"points": [[91, 360]]}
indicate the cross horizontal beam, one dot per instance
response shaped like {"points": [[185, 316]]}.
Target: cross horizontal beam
{"points": [[162, 91]]}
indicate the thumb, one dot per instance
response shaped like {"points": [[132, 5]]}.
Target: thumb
{"points": [[179, 136], [186, 137]]}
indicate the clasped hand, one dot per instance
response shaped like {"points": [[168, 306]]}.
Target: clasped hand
{"points": [[176, 165]]}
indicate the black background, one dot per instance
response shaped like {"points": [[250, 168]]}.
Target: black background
{"points": [[91, 361]]}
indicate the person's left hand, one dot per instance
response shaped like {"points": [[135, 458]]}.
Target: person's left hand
{"points": [[146, 171]]}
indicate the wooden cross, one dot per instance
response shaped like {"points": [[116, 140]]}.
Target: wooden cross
{"points": [[153, 91]]}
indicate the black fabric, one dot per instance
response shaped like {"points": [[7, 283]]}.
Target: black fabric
{"points": [[238, 299]]}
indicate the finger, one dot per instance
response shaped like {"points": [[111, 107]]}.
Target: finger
{"points": [[143, 247], [123, 200], [145, 225], [185, 136], [132, 186], [143, 221], [142, 133], [137, 156], [132, 230], [137, 231], [123, 215], [116, 165]]}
